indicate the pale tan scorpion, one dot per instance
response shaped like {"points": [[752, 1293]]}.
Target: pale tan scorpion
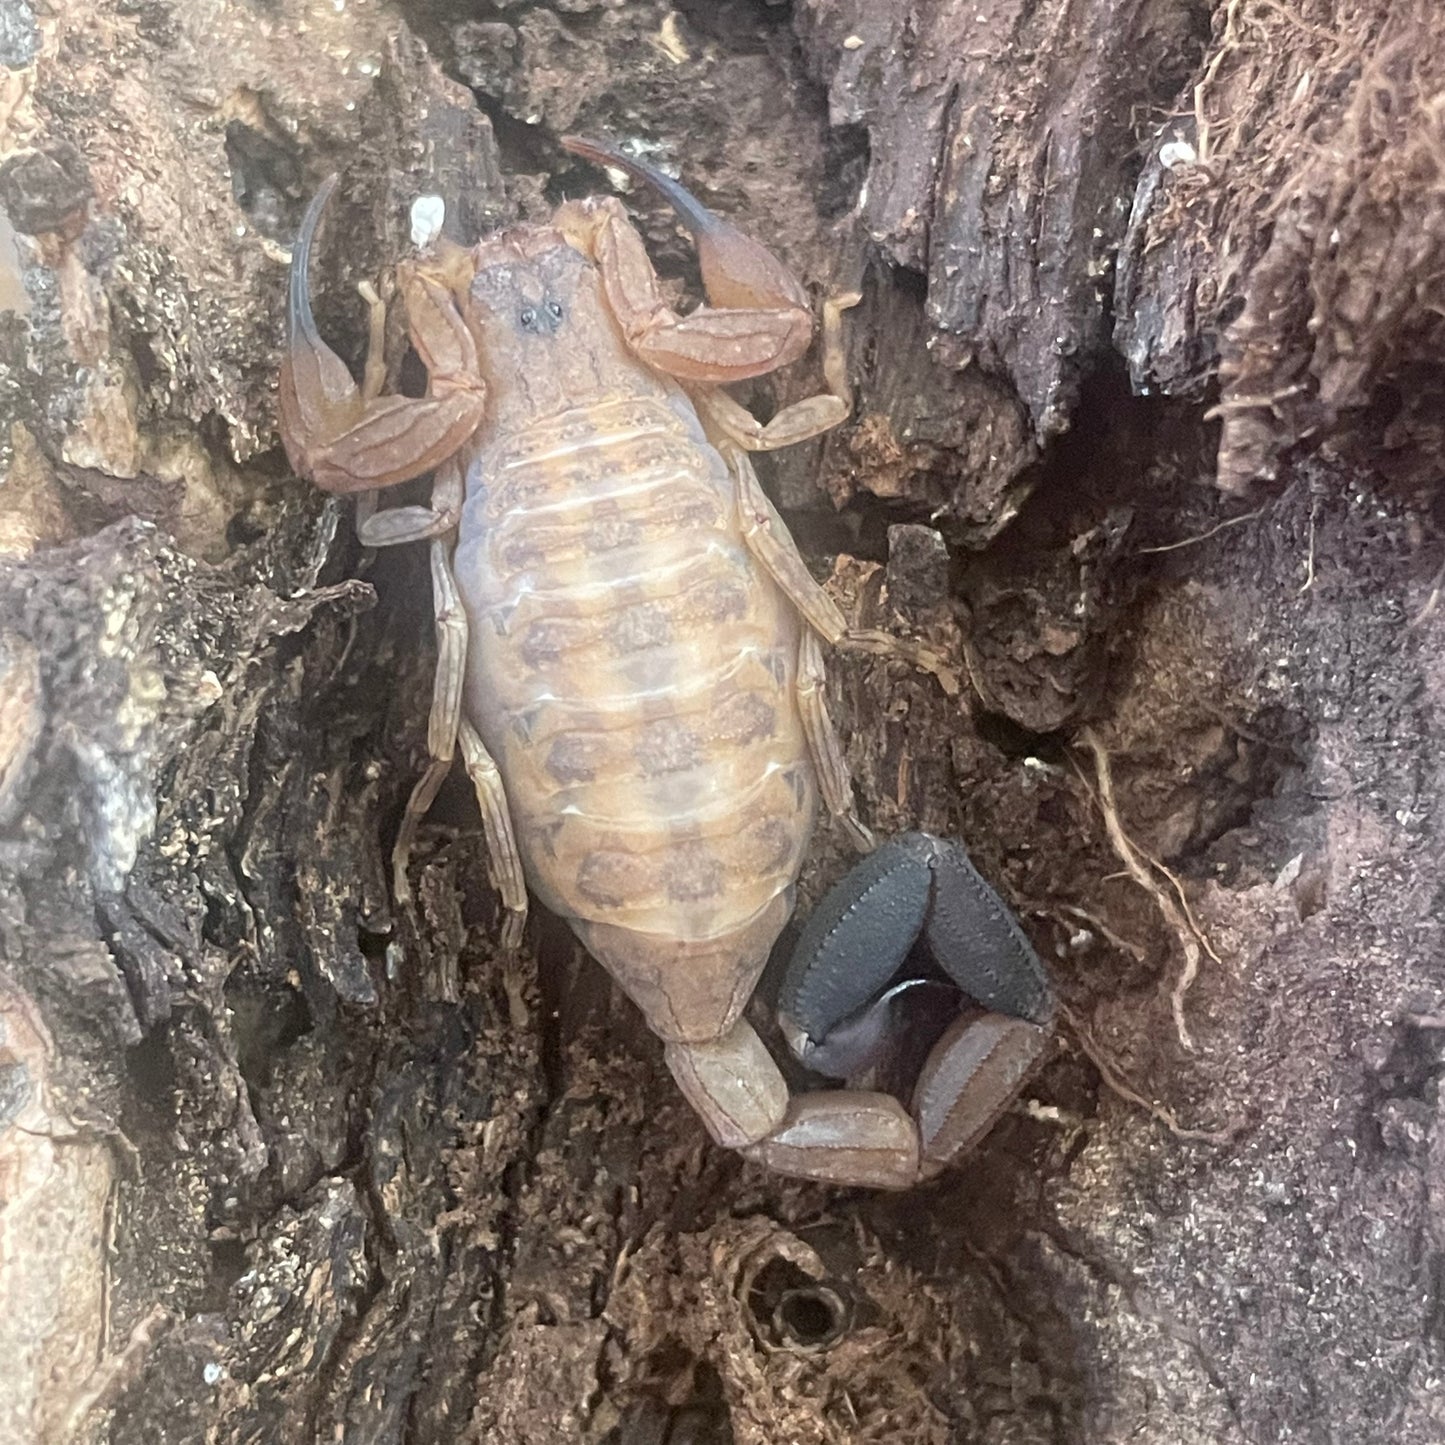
{"points": [[629, 662]]}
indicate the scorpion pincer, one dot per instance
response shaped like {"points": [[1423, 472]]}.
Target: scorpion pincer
{"points": [[630, 665]]}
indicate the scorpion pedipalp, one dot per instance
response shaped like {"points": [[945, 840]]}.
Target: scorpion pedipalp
{"points": [[737, 272], [345, 440]]}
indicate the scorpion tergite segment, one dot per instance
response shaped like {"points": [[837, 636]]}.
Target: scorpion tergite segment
{"points": [[629, 661]]}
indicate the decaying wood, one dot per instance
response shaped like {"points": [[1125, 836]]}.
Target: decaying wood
{"points": [[278, 1163]]}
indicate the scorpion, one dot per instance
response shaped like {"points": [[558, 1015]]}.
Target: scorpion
{"points": [[630, 665]]}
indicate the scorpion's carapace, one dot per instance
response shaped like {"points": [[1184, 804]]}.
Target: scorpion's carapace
{"points": [[629, 662]]}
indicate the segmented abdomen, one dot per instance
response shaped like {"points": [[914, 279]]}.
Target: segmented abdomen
{"points": [[631, 670]]}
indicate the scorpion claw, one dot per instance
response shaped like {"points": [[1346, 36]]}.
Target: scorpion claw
{"points": [[300, 321], [856, 940], [318, 394], [338, 435], [976, 940], [736, 270]]}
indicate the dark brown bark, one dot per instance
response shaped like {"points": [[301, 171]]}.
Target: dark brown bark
{"points": [[278, 1163]]}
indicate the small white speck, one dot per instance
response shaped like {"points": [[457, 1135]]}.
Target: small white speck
{"points": [[1038, 765], [1175, 154], [1289, 874], [427, 215], [853, 42], [214, 1373], [367, 67]]}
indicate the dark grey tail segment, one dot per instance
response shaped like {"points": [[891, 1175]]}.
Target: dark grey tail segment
{"points": [[859, 935]]}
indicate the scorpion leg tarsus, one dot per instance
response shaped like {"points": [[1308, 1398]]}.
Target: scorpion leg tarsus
{"points": [[766, 536]]}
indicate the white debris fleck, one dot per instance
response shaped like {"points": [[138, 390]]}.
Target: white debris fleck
{"points": [[853, 42], [213, 1372], [1175, 154], [669, 40], [1289, 874], [427, 215]]}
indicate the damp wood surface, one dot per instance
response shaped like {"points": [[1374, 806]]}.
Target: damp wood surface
{"points": [[1147, 441]]}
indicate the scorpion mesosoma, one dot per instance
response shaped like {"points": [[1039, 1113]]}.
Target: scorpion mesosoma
{"points": [[629, 664]]}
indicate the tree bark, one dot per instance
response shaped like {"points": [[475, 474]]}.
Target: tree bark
{"points": [[1146, 439]]}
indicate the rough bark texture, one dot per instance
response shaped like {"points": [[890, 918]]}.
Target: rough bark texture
{"points": [[277, 1163]]}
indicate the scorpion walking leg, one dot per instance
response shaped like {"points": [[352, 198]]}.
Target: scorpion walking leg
{"points": [[446, 709], [834, 780], [445, 727], [341, 437], [373, 376], [768, 539], [502, 850], [395, 525]]}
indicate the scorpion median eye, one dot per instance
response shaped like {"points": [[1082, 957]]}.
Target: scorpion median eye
{"points": [[555, 308], [528, 317]]}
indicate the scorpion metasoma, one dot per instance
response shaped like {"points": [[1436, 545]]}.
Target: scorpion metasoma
{"points": [[630, 665]]}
